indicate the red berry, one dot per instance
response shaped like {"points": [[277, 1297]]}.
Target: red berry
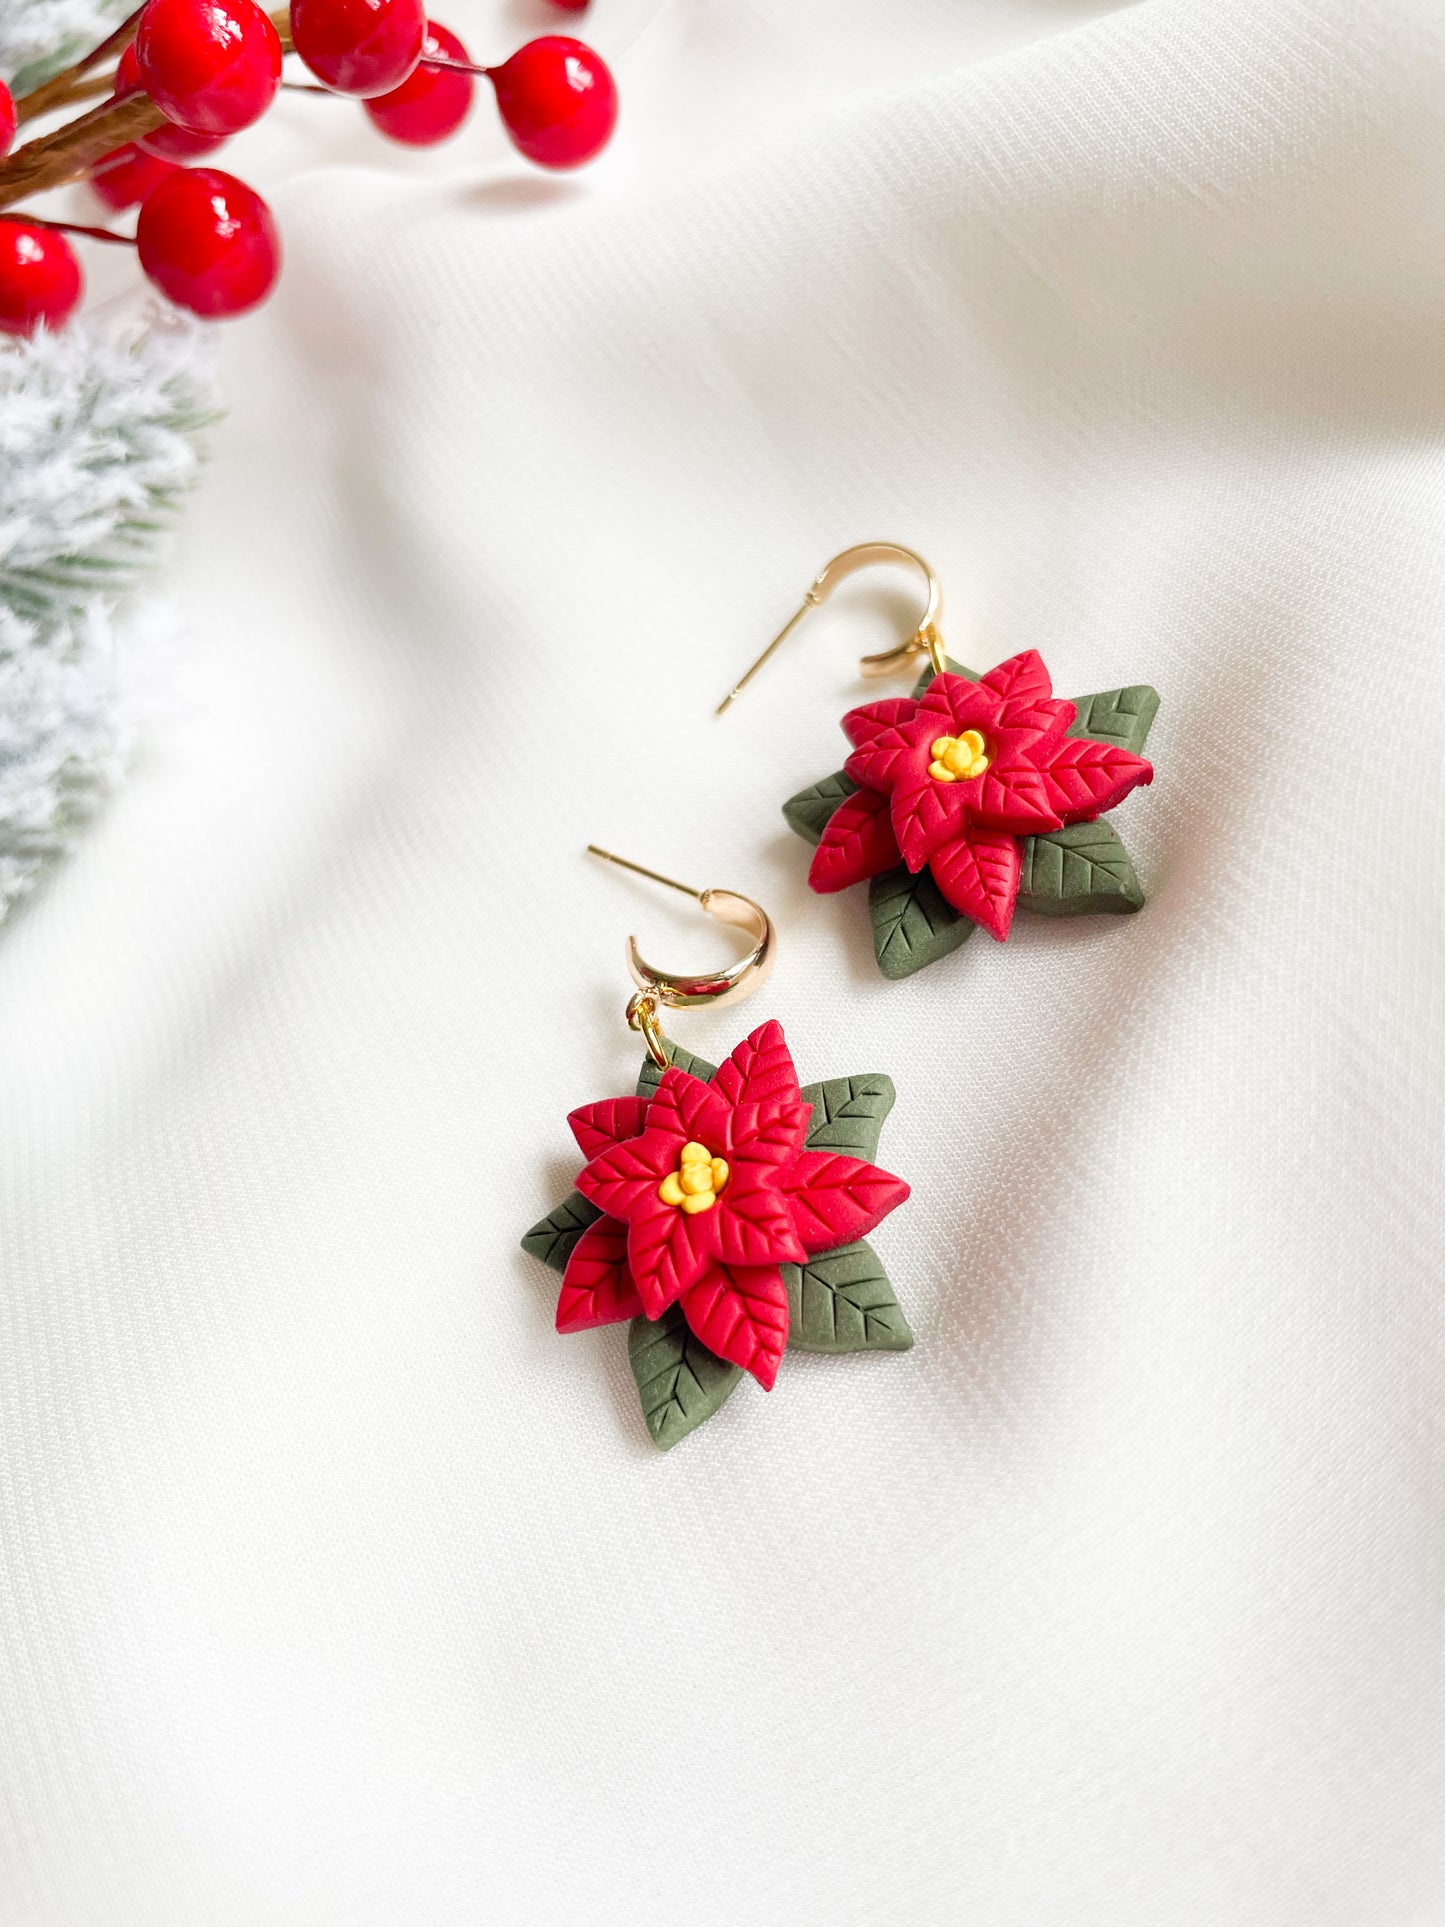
{"points": [[175, 144], [7, 118], [170, 143], [40, 278], [211, 66], [365, 47], [128, 175], [209, 243], [558, 100], [571, 6], [433, 102]]}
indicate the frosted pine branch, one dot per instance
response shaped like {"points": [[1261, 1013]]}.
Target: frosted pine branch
{"points": [[99, 440], [71, 697], [39, 37]]}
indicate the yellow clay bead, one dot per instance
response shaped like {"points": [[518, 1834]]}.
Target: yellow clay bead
{"points": [[696, 1154], [670, 1191], [702, 1201], [696, 1178], [956, 757], [719, 1173]]}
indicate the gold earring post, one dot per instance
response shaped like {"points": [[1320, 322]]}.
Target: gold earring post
{"points": [[864, 555], [671, 989], [653, 876]]}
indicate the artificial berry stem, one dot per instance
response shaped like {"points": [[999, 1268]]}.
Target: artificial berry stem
{"points": [[454, 66], [73, 150], [74, 227], [71, 84]]}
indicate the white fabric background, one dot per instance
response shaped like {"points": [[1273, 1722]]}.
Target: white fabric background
{"points": [[336, 1588]]}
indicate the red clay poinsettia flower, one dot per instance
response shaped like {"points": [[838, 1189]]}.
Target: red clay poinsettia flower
{"points": [[707, 1191], [956, 779]]}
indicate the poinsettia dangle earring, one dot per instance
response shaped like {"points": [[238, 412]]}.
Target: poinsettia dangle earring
{"points": [[974, 796], [723, 1210]]}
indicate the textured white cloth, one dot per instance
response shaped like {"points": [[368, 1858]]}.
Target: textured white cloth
{"points": [[336, 1588]]}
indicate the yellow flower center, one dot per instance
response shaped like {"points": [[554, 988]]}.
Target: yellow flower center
{"points": [[697, 1180], [958, 757]]}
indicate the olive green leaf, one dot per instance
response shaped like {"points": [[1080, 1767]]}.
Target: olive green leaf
{"points": [[649, 1077], [810, 811], [679, 1381], [913, 923], [841, 1301], [1118, 716], [1077, 870], [552, 1238], [848, 1114], [953, 668]]}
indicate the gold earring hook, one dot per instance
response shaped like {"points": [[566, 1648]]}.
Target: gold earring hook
{"points": [[864, 555], [670, 989]]}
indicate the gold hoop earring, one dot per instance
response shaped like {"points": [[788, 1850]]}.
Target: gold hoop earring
{"points": [[975, 795], [722, 1209], [659, 989], [924, 639]]}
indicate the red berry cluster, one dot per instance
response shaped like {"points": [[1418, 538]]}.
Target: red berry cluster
{"points": [[213, 67]]}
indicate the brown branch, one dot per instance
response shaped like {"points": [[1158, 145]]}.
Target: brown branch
{"points": [[69, 85], [73, 150], [89, 87]]}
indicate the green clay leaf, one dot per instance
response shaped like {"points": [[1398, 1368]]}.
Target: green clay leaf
{"points": [[954, 669], [848, 1114], [552, 1238], [841, 1301], [1077, 870], [810, 810], [649, 1077], [679, 1381], [913, 924], [1118, 716]]}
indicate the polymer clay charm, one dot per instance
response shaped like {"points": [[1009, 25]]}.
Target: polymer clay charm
{"points": [[973, 797], [724, 1212]]}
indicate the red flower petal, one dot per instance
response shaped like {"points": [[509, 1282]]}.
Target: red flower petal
{"points": [[862, 725], [925, 813], [668, 1250], [1023, 675], [754, 1223], [979, 875], [1013, 793], [620, 1179], [878, 765], [769, 1133], [951, 704], [857, 844], [760, 1067], [612, 1121], [684, 1108], [597, 1287], [1086, 778], [741, 1313], [1049, 714], [836, 1199]]}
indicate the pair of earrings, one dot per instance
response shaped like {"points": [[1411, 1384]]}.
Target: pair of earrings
{"points": [[724, 1210]]}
